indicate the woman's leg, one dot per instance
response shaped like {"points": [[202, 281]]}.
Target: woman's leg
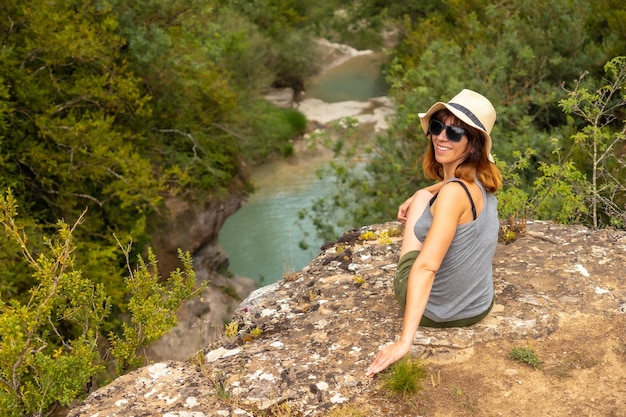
{"points": [[420, 202]]}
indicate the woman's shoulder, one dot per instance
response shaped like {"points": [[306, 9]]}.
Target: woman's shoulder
{"points": [[454, 194], [459, 185]]}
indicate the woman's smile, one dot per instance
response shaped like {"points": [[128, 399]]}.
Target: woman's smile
{"points": [[442, 148]]}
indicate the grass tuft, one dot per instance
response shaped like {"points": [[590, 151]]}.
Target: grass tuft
{"points": [[526, 355], [405, 377]]}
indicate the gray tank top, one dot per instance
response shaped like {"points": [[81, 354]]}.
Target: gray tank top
{"points": [[463, 286]]}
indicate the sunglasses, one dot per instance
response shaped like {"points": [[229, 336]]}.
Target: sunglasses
{"points": [[454, 133]]}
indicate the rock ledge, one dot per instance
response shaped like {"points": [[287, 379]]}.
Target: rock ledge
{"points": [[319, 328]]}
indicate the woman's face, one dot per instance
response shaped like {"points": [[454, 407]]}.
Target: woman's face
{"points": [[448, 152]]}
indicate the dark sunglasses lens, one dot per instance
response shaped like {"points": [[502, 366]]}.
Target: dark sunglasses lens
{"points": [[455, 134], [435, 127]]}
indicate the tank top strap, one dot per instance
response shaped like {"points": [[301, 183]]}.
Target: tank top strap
{"points": [[432, 200]]}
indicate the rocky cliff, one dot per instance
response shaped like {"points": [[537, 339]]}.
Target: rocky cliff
{"points": [[300, 347], [195, 229]]}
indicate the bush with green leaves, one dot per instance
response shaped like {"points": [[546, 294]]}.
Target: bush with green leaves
{"points": [[600, 139], [560, 193], [51, 343]]}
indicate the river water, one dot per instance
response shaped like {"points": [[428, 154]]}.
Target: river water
{"points": [[263, 238]]}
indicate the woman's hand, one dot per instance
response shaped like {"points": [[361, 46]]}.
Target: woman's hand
{"points": [[404, 209], [386, 356]]}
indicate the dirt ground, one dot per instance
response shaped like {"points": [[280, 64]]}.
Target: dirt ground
{"points": [[583, 373]]}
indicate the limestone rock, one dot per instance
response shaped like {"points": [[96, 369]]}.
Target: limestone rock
{"points": [[195, 229], [319, 328]]}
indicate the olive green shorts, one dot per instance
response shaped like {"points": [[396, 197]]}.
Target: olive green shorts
{"points": [[400, 284]]}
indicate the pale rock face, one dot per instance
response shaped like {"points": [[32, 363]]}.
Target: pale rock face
{"points": [[195, 229], [320, 327]]}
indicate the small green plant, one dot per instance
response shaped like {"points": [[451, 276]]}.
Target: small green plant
{"points": [[358, 280], [508, 235], [369, 235], [405, 377], [50, 345], [395, 232], [256, 332], [297, 120], [526, 355], [231, 329], [347, 411], [383, 238], [466, 400], [219, 381]]}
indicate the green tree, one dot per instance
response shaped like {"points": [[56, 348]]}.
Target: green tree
{"points": [[64, 144], [602, 139], [113, 106], [289, 50]]}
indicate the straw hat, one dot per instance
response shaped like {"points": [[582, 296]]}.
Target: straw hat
{"points": [[470, 107]]}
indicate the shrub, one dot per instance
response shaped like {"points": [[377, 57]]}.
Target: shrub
{"points": [[50, 343]]}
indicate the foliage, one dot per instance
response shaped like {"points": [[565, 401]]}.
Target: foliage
{"points": [[363, 24], [516, 53], [153, 306], [50, 344], [405, 376], [290, 51], [270, 131], [40, 364], [353, 150], [526, 355], [115, 106], [602, 140], [68, 135], [560, 193]]}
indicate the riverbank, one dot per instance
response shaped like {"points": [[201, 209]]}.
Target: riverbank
{"points": [[373, 110], [270, 235]]}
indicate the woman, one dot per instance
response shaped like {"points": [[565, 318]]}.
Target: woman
{"points": [[444, 276]]}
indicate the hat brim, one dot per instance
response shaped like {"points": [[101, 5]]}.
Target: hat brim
{"points": [[425, 121]]}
